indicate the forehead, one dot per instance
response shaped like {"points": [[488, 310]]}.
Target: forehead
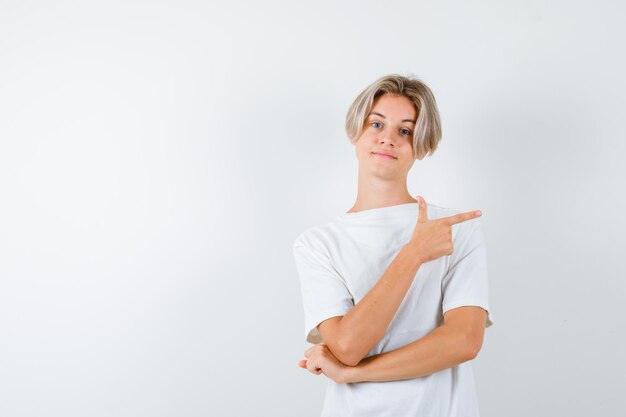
{"points": [[394, 107]]}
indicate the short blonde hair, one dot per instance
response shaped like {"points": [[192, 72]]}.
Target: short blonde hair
{"points": [[427, 132]]}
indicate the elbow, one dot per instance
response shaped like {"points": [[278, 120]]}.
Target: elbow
{"points": [[347, 347], [471, 353], [347, 354], [472, 347], [352, 360]]}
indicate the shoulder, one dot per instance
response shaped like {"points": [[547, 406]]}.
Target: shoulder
{"points": [[315, 237]]}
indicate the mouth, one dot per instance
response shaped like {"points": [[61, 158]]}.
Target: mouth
{"points": [[382, 155]]}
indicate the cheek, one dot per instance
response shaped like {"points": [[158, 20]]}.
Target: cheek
{"points": [[407, 146], [364, 145]]}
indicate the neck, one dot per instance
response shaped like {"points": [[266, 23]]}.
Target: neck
{"points": [[375, 192]]}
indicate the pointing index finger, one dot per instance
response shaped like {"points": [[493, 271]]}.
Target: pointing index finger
{"points": [[461, 217]]}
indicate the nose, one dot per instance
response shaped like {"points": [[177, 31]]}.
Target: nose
{"points": [[385, 137]]}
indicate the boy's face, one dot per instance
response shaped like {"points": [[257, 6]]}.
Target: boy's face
{"points": [[387, 129]]}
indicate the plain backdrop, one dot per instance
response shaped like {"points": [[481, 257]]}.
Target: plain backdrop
{"points": [[157, 160]]}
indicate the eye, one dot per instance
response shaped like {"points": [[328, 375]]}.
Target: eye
{"points": [[405, 131], [376, 124]]}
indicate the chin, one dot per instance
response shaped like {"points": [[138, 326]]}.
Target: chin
{"points": [[385, 173]]}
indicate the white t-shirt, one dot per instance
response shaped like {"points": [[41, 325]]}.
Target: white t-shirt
{"points": [[340, 261]]}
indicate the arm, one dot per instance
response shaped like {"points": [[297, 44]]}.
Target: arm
{"points": [[352, 336], [458, 340]]}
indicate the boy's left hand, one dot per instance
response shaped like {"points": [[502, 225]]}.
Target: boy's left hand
{"points": [[319, 359]]}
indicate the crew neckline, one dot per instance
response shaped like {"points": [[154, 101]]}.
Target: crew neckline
{"points": [[379, 211]]}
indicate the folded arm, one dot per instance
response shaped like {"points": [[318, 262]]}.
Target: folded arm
{"points": [[456, 341], [352, 336]]}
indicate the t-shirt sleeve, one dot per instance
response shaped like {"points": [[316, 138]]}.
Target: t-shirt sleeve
{"points": [[324, 292], [465, 283]]}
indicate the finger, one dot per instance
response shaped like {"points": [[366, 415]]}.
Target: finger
{"points": [[313, 348], [423, 210], [461, 217], [307, 353], [311, 367], [302, 363]]}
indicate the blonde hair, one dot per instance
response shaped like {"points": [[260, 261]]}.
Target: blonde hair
{"points": [[427, 132]]}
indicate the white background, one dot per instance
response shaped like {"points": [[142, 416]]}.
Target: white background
{"points": [[157, 160]]}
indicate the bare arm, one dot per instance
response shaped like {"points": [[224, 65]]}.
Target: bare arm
{"points": [[458, 340], [352, 336]]}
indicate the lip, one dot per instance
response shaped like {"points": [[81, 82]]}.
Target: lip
{"points": [[384, 155]]}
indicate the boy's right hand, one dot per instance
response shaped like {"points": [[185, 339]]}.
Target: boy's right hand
{"points": [[433, 238]]}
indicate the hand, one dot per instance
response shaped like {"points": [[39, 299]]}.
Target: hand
{"points": [[321, 360], [433, 238]]}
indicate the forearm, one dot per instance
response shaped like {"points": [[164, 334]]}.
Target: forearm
{"points": [[365, 324], [441, 349]]}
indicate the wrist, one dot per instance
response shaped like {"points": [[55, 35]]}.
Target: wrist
{"points": [[350, 374], [413, 253]]}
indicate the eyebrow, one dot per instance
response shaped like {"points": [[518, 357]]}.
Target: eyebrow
{"points": [[381, 115]]}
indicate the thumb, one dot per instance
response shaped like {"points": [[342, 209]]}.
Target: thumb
{"points": [[423, 213]]}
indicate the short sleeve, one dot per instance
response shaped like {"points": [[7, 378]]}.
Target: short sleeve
{"points": [[465, 283], [324, 293]]}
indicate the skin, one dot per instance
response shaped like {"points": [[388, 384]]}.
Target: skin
{"points": [[382, 182], [434, 352]]}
